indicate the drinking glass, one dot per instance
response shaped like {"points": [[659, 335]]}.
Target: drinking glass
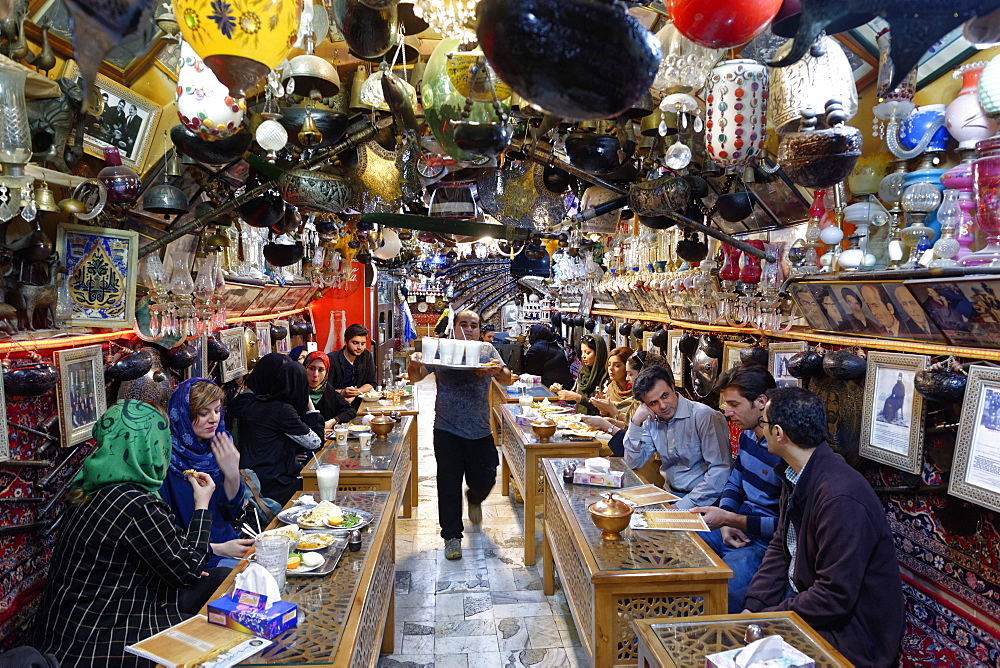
{"points": [[272, 553], [447, 349], [429, 348], [328, 479], [341, 431]]}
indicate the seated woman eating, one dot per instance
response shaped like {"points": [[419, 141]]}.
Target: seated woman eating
{"points": [[120, 560], [545, 357], [332, 406], [201, 443], [616, 395], [592, 375]]}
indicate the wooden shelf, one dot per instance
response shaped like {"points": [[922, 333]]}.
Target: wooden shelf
{"points": [[892, 345]]}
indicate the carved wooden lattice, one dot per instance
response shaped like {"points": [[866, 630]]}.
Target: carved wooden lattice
{"points": [[651, 607], [572, 570], [688, 643], [514, 450], [376, 607]]}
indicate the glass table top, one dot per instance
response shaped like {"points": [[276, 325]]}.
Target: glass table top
{"points": [[639, 550], [381, 455]]}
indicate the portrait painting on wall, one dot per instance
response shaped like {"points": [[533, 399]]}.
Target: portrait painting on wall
{"points": [[892, 429], [975, 471], [967, 310]]}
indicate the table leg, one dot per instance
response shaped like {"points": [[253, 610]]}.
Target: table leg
{"points": [[389, 635], [530, 487], [548, 566], [407, 498], [504, 474], [414, 454]]}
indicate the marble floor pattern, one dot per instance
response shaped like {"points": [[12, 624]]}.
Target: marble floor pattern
{"points": [[486, 610]]}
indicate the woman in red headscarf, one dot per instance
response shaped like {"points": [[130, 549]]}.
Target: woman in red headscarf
{"points": [[327, 400]]}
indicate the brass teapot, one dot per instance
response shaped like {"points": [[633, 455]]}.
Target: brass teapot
{"points": [[611, 516]]}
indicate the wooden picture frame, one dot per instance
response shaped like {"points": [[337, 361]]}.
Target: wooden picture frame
{"points": [[128, 122], [731, 354], [101, 270], [674, 355], [892, 420], [123, 64], [263, 339], [777, 357], [978, 440], [80, 394], [200, 367], [236, 364], [282, 345]]}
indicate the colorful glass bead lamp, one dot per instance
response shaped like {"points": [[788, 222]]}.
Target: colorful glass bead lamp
{"points": [[241, 42], [736, 112]]}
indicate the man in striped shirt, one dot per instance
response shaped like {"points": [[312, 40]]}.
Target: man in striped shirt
{"points": [[745, 519]]}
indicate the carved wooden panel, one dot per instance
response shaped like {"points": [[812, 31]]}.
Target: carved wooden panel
{"points": [[572, 572]]}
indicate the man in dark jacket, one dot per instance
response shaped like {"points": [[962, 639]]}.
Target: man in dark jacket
{"points": [[832, 558], [352, 368]]}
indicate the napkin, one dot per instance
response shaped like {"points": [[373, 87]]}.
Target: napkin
{"points": [[598, 465], [256, 579], [765, 649], [305, 500]]}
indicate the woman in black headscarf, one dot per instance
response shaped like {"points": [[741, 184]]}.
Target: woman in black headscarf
{"points": [[545, 357], [592, 376], [275, 428]]}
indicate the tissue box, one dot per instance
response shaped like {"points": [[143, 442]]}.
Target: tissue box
{"points": [[239, 611], [792, 658], [610, 479]]}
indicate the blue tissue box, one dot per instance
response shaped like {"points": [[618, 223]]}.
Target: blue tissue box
{"points": [[244, 611]]}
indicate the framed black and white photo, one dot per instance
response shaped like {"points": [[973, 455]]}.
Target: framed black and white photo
{"points": [[975, 471], [731, 354], [263, 339], [127, 122], [80, 395], [200, 366], [675, 356], [235, 365], [892, 422], [778, 355], [282, 344]]}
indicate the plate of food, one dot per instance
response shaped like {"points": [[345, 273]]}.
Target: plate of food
{"points": [[371, 395], [350, 519], [315, 541]]}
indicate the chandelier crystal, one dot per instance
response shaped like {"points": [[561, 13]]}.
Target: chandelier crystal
{"points": [[452, 19]]}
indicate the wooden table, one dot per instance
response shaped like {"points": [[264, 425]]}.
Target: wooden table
{"points": [[499, 396], [522, 458], [409, 406], [609, 584], [684, 643], [386, 466], [346, 617]]}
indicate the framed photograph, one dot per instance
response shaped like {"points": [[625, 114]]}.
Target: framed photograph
{"points": [[263, 339], [235, 365], [306, 296], [975, 471], [239, 298], [647, 340], [80, 394], [264, 304], [731, 354], [967, 310], [675, 356], [778, 355], [282, 345], [200, 367], [892, 421], [123, 64], [127, 123], [101, 269]]}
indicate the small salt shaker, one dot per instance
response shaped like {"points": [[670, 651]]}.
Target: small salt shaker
{"points": [[354, 541], [753, 634], [568, 475]]}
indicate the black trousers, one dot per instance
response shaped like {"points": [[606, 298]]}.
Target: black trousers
{"points": [[477, 461]]}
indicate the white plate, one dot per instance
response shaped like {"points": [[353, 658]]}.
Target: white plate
{"points": [[364, 398]]}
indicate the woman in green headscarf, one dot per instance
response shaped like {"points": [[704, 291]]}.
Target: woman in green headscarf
{"points": [[592, 376], [120, 560]]}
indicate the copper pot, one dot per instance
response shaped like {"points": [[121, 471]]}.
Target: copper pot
{"points": [[382, 426], [544, 429], [611, 516]]}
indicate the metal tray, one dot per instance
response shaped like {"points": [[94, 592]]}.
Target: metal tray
{"points": [[332, 553]]}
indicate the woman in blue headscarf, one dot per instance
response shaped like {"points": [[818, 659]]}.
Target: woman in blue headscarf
{"points": [[201, 443]]}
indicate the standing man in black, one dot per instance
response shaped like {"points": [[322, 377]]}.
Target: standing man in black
{"points": [[352, 368]]}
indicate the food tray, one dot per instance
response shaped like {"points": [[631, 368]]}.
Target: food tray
{"points": [[333, 554]]}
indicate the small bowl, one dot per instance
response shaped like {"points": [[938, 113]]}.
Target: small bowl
{"points": [[544, 430], [611, 516]]}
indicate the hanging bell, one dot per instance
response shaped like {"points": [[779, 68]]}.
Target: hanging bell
{"points": [[217, 239], [309, 135], [174, 167], [45, 199]]}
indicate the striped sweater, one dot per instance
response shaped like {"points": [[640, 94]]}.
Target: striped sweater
{"points": [[754, 489]]}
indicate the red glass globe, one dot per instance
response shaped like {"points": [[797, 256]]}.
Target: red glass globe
{"points": [[722, 24]]}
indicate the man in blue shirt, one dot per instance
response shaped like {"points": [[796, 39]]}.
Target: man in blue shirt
{"points": [[747, 515]]}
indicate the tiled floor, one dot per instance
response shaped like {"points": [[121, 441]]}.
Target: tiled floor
{"points": [[486, 610]]}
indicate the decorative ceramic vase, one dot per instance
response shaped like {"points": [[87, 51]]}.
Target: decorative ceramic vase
{"points": [[240, 42], [568, 81], [736, 112], [924, 127], [989, 87], [122, 182], [318, 191], [204, 105], [986, 184], [444, 104], [809, 83], [723, 24], [965, 117]]}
